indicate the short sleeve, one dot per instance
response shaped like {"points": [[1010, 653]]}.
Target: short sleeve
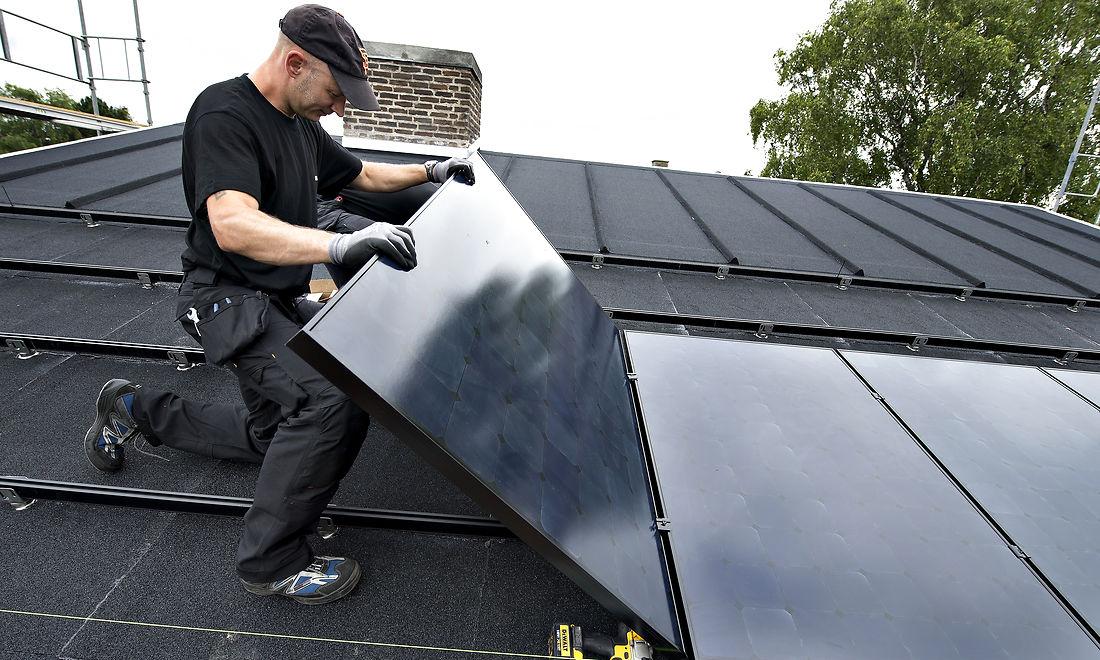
{"points": [[226, 157], [336, 166]]}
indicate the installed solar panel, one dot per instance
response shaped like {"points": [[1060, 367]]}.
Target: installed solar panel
{"points": [[493, 361], [1085, 383], [806, 523], [1027, 449]]}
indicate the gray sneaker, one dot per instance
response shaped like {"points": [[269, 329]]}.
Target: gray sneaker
{"points": [[325, 580], [113, 426]]}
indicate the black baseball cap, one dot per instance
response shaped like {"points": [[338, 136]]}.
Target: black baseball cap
{"points": [[328, 36]]}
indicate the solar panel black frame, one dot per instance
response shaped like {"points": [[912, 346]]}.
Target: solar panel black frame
{"points": [[306, 344]]}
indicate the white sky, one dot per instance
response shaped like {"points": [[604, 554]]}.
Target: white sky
{"points": [[623, 82]]}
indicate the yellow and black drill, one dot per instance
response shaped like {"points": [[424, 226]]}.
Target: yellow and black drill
{"points": [[567, 641]]}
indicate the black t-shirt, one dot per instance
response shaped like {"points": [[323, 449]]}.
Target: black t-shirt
{"points": [[234, 139]]}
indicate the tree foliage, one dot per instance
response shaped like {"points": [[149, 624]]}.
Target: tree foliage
{"points": [[18, 133], [982, 98]]}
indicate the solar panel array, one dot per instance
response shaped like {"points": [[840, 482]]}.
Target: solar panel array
{"points": [[502, 367], [807, 523]]}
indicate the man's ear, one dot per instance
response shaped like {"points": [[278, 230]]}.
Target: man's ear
{"points": [[295, 62]]}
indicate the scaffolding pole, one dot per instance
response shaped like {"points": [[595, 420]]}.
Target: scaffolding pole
{"points": [[1077, 148], [141, 59], [88, 58]]}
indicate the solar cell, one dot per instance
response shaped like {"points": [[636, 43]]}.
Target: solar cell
{"points": [[806, 523], [492, 360], [1027, 449]]}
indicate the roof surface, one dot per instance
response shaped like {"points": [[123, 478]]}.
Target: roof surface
{"points": [[662, 236]]}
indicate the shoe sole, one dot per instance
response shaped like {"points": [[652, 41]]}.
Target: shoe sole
{"points": [[352, 582], [102, 411]]}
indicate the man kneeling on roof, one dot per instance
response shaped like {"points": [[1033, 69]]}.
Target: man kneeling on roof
{"points": [[254, 157]]}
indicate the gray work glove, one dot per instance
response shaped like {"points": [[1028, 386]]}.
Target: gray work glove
{"points": [[356, 248], [438, 172]]}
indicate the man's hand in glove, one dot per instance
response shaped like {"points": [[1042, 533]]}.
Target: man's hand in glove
{"points": [[354, 249], [438, 172]]}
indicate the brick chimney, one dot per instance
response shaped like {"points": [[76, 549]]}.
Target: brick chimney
{"points": [[427, 96]]}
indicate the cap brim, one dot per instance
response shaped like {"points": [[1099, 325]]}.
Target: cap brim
{"points": [[356, 90]]}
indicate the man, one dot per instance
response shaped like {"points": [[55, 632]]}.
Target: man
{"points": [[254, 156]]}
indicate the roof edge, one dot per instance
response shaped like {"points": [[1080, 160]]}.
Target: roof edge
{"points": [[87, 139]]}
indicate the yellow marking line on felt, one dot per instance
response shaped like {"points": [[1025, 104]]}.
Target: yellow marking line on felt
{"points": [[274, 635]]}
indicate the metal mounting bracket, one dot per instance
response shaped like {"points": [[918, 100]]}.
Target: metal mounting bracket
{"points": [[22, 351], [146, 280], [844, 283], [180, 358], [89, 221], [917, 342], [597, 261], [1018, 551], [1070, 356], [631, 376], [964, 294], [326, 528], [662, 524], [722, 272], [764, 330], [1076, 307], [14, 500]]}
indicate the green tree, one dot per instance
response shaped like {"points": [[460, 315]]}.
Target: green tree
{"points": [[18, 133], [982, 98]]}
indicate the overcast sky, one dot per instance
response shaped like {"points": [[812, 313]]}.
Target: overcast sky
{"points": [[623, 82]]}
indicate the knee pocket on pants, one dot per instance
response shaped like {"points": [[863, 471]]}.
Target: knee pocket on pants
{"points": [[271, 381], [338, 432]]}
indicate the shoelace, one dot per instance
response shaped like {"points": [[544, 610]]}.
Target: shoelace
{"points": [[140, 442]]}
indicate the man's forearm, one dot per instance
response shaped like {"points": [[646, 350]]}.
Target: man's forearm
{"points": [[383, 177], [264, 238]]}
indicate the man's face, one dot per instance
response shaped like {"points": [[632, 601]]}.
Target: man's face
{"points": [[315, 93]]}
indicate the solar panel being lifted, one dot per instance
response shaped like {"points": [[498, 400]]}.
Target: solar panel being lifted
{"points": [[806, 523], [1026, 449], [492, 360]]}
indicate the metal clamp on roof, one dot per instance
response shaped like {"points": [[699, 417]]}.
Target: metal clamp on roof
{"points": [[146, 280], [964, 294], [764, 330], [662, 524], [22, 350], [180, 358], [844, 283], [917, 342], [597, 261], [1076, 307], [14, 500], [326, 528], [722, 272], [89, 221], [1070, 356]]}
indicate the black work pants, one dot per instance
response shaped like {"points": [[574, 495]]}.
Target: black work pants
{"points": [[303, 431]]}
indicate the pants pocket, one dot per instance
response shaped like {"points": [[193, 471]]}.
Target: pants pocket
{"points": [[228, 324]]}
